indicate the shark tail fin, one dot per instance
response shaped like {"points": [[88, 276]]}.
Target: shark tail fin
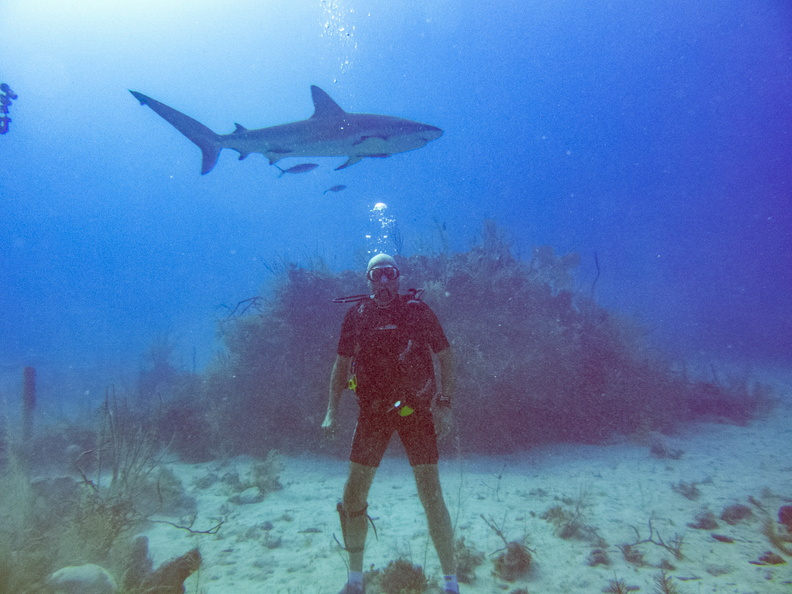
{"points": [[203, 137]]}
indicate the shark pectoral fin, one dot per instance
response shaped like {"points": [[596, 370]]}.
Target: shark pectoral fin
{"points": [[349, 162], [276, 155]]}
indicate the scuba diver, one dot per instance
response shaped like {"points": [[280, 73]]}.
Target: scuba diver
{"points": [[386, 344], [6, 98]]}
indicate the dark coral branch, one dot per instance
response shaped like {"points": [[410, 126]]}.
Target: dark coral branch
{"points": [[673, 546]]}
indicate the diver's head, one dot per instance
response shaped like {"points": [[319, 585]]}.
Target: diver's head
{"points": [[383, 277]]}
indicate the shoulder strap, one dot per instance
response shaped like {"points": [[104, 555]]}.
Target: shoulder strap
{"points": [[350, 299], [410, 295]]}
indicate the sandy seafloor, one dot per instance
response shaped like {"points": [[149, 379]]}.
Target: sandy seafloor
{"points": [[285, 543]]}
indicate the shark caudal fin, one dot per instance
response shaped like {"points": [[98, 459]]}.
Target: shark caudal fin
{"points": [[203, 137]]}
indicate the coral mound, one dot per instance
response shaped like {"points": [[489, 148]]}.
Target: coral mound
{"points": [[513, 563]]}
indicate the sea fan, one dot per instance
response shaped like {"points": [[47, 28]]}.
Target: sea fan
{"points": [[663, 584]]}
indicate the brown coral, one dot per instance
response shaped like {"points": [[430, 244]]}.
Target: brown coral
{"points": [[769, 558], [169, 577], [513, 563], [736, 513], [785, 516]]}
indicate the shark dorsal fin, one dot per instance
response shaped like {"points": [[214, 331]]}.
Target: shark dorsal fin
{"points": [[324, 106], [240, 128]]}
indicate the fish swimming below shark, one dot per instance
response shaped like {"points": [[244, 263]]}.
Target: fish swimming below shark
{"points": [[301, 168], [335, 189], [329, 132]]}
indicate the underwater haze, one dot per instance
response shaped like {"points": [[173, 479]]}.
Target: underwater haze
{"points": [[653, 139]]}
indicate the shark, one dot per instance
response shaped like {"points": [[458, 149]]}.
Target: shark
{"points": [[329, 132]]}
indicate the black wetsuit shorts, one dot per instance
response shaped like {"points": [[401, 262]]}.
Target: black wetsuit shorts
{"points": [[375, 429]]}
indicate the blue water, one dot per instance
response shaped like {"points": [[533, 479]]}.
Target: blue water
{"points": [[656, 137]]}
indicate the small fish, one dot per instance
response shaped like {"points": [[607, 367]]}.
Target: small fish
{"points": [[334, 189], [301, 168]]}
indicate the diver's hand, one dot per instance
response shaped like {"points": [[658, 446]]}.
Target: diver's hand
{"points": [[329, 425], [443, 420]]}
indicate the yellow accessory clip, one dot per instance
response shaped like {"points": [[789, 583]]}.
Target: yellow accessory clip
{"points": [[406, 411], [403, 409], [352, 383]]}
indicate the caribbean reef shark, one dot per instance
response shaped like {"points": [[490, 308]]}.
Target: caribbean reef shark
{"points": [[329, 132]]}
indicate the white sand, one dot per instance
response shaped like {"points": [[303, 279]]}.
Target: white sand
{"points": [[621, 485]]}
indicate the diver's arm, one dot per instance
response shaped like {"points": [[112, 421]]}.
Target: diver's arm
{"points": [[447, 374], [338, 381], [444, 398]]}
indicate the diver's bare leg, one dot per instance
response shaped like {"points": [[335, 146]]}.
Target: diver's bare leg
{"points": [[427, 480], [355, 496]]}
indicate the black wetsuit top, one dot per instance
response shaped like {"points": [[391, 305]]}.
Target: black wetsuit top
{"points": [[392, 349]]}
